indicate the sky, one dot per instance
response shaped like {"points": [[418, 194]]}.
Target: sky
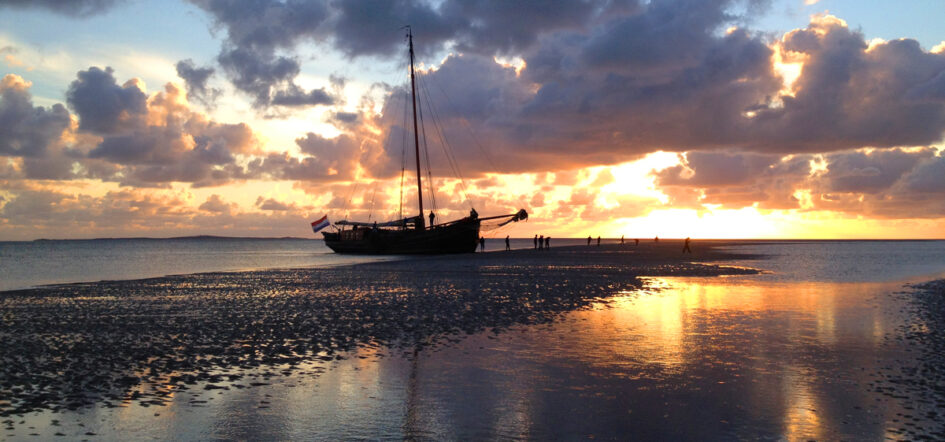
{"points": [[701, 118]]}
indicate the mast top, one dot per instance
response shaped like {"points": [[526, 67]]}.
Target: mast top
{"points": [[416, 132]]}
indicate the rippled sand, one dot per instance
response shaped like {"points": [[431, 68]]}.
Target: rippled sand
{"points": [[584, 338], [70, 346]]}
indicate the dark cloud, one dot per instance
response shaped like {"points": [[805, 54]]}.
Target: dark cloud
{"points": [[255, 33], [76, 8], [872, 172], [325, 159], [27, 130], [735, 180], [175, 145], [196, 79], [883, 184], [927, 177], [295, 96], [101, 104], [851, 95]]}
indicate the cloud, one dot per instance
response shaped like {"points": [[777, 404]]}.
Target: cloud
{"points": [[196, 79], [271, 204], [215, 204], [255, 32], [870, 172], [35, 212], [75, 8], [27, 130], [735, 180], [295, 96], [101, 104], [883, 183], [122, 135]]}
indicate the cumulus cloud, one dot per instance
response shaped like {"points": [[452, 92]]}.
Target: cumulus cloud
{"points": [[255, 32], [886, 183], [101, 104], [27, 130], [735, 180], [196, 78], [214, 203], [122, 135]]}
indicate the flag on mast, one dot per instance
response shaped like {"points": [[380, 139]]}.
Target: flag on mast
{"points": [[320, 224]]}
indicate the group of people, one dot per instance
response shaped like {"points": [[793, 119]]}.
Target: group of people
{"points": [[636, 241], [542, 242]]}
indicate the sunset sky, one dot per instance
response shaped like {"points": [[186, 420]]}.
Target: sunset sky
{"points": [[702, 118]]}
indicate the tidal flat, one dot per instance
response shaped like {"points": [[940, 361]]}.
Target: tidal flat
{"points": [[609, 341]]}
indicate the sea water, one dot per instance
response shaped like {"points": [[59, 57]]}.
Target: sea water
{"points": [[804, 351], [26, 264]]}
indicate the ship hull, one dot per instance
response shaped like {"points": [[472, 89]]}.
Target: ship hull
{"points": [[459, 237]]}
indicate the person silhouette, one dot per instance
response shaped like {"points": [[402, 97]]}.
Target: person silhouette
{"points": [[535, 241], [686, 248], [656, 239], [636, 241], [547, 242], [482, 244], [621, 239], [432, 217], [507, 246], [598, 241], [541, 241], [588, 239]]}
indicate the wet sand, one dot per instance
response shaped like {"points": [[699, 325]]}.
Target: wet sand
{"points": [[70, 346], [146, 343]]}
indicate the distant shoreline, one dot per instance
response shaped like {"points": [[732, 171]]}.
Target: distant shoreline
{"points": [[609, 240]]}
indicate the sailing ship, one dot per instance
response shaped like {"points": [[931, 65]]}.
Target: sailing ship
{"points": [[411, 235]]}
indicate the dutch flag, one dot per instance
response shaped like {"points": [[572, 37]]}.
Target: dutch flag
{"points": [[320, 224]]}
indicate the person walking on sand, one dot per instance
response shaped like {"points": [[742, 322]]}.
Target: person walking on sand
{"points": [[507, 247], [482, 244], [547, 243], [535, 241], [656, 239], [598, 241], [636, 241], [588, 239], [686, 248], [621, 239], [541, 241]]}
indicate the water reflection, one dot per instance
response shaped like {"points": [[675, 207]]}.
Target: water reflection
{"points": [[681, 359]]}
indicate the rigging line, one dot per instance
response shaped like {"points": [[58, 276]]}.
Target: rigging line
{"points": [[373, 194], [348, 200], [472, 134], [426, 155], [447, 147]]}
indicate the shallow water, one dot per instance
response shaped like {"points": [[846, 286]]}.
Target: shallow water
{"points": [[770, 356], [26, 264]]}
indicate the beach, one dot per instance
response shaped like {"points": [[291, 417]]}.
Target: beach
{"points": [[580, 341]]}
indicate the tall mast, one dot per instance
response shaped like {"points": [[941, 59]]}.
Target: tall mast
{"points": [[416, 134]]}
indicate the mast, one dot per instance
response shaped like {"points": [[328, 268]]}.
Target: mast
{"points": [[416, 133]]}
